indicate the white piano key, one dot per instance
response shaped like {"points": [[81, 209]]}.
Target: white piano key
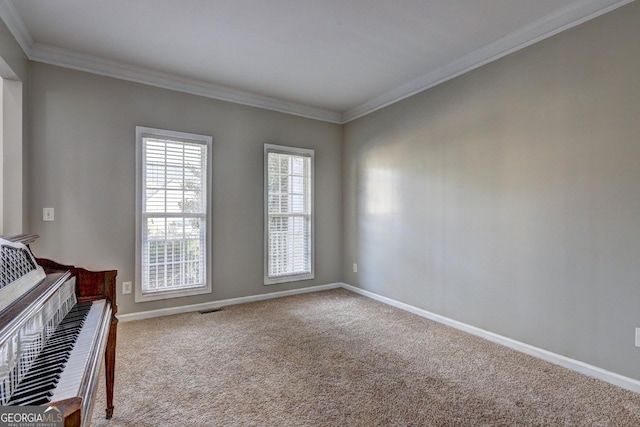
{"points": [[72, 375]]}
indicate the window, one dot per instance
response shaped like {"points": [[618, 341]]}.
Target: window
{"points": [[288, 200], [173, 214]]}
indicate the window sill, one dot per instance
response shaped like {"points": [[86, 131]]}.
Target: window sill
{"points": [[287, 279], [179, 293]]}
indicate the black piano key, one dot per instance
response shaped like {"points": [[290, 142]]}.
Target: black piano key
{"points": [[61, 337], [46, 380], [48, 374], [36, 390], [42, 370], [34, 399], [23, 397], [59, 341], [41, 400], [63, 328], [52, 374], [49, 360], [58, 346], [68, 323], [46, 359]]}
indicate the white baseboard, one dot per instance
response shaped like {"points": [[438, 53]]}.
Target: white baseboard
{"points": [[221, 303], [557, 359]]}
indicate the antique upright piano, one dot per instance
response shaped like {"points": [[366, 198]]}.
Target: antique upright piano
{"points": [[57, 324]]}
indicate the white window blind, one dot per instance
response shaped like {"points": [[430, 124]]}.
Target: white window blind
{"points": [[174, 214], [288, 214]]}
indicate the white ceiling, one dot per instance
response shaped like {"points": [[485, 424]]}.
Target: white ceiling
{"points": [[333, 60]]}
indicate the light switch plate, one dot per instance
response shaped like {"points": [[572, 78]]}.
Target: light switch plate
{"points": [[47, 214]]}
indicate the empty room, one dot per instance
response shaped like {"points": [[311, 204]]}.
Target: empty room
{"points": [[336, 213]]}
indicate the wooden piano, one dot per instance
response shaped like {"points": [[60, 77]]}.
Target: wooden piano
{"points": [[57, 323]]}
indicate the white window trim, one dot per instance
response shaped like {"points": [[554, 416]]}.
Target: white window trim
{"points": [[181, 136], [273, 148], [11, 152]]}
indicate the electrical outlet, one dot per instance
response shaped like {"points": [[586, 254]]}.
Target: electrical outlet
{"points": [[47, 214], [355, 267], [637, 337], [126, 287]]}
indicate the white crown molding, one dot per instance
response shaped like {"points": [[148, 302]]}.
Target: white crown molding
{"points": [[568, 17], [16, 25], [70, 59]]}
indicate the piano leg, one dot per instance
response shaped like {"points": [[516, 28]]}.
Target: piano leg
{"points": [[110, 361]]}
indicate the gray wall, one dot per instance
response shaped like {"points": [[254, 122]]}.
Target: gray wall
{"points": [[83, 165], [509, 198]]}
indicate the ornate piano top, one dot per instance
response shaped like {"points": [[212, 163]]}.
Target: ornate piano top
{"points": [[19, 272]]}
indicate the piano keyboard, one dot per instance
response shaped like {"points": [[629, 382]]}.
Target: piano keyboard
{"points": [[71, 377], [48, 370]]}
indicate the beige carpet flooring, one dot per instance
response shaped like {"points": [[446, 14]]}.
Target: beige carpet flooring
{"points": [[335, 358]]}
